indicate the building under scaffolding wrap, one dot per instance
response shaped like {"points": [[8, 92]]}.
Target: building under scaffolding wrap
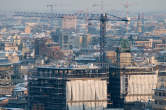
{"points": [[131, 80], [132, 84], [74, 88]]}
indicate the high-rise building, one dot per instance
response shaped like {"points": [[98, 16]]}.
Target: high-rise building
{"points": [[131, 82], [72, 88], [160, 92], [69, 22]]}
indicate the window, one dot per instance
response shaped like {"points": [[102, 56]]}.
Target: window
{"points": [[155, 102]]}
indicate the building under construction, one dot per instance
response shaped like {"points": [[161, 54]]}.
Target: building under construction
{"points": [[68, 88], [160, 92], [131, 81], [132, 84]]}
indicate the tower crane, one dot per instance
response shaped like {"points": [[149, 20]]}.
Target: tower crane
{"points": [[103, 18], [51, 6]]}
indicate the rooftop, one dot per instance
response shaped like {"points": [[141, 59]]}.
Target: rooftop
{"points": [[72, 66]]}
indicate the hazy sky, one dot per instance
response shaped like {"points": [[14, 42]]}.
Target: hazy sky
{"points": [[40, 5]]}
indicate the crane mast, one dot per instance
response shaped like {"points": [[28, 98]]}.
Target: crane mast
{"points": [[103, 20]]}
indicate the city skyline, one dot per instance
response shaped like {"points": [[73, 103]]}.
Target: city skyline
{"points": [[82, 55], [41, 5]]}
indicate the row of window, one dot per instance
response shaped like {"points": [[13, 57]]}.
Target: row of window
{"points": [[160, 102], [160, 94]]}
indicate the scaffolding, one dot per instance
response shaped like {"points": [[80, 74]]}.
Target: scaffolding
{"points": [[67, 88], [132, 84]]}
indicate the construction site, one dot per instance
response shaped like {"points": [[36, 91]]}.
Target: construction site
{"points": [[66, 88], [132, 80], [132, 84], [128, 79]]}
